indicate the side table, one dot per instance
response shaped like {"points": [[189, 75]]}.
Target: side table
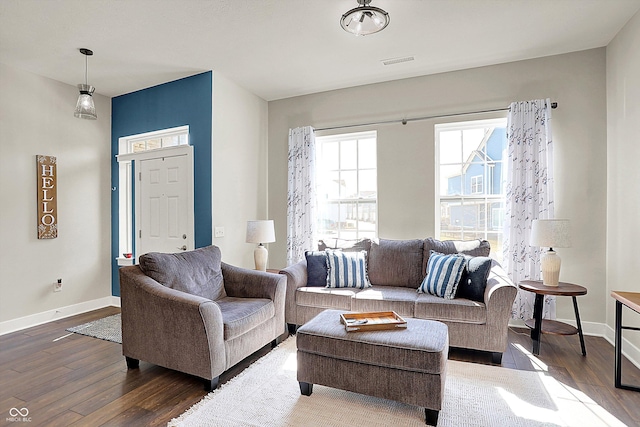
{"points": [[632, 301], [538, 325]]}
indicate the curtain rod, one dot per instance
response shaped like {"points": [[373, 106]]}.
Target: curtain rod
{"points": [[554, 105]]}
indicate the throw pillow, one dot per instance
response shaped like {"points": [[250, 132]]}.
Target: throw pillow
{"points": [[468, 247], [197, 272], [347, 269], [443, 275], [316, 268], [474, 278]]}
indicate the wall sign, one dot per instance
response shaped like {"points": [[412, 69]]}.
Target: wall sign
{"points": [[47, 197]]}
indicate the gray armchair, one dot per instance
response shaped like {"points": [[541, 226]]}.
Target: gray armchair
{"points": [[195, 314]]}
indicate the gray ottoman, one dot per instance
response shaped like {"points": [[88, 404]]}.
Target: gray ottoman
{"points": [[407, 365]]}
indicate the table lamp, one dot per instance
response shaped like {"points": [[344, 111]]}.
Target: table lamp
{"points": [[261, 231], [550, 233]]}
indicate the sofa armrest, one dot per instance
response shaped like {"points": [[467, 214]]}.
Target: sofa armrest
{"points": [[170, 328], [244, 283], [499, 295], [296, 278]]}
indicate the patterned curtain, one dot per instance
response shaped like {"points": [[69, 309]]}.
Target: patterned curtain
{"points": [[529, 196], [301, 193]]}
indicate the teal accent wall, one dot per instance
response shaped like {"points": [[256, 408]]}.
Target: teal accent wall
{"points": [[182, 102]]}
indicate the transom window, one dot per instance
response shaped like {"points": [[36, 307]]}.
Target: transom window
{"points": [[470, 196], [347, 187], [160, 139]]}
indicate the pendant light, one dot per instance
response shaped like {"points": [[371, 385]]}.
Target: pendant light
{"points": [[364, 19], [85, 108]]}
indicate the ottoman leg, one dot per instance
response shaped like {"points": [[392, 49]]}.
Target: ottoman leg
{"points": [[306, 388], [431, 417]]}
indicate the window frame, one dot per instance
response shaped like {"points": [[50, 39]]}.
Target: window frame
{"points": [[486, 196], [356, 203]]}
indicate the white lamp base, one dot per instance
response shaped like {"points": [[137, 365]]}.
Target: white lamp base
{"points": [[550, 262], [260, 256]]}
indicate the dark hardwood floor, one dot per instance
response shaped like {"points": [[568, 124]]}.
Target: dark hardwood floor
{"points": [[83, 381]]}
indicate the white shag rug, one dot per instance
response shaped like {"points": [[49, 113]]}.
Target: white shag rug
{"points": [[266, 394]]}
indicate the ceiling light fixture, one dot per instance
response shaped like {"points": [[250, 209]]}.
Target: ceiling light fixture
{"points": [[364, 19], [85, 108]]}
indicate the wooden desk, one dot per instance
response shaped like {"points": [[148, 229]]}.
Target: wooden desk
{"points": [[538, 325], [632, 301]]}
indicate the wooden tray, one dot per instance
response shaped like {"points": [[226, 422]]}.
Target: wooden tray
{"points": [[373, 321]]}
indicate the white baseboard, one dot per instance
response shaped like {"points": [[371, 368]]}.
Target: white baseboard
{"points": [[629, 350], [55, 314]]}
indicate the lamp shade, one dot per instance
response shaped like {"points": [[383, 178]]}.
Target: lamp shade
{"points": [[85, 108], [550, 233], [364, 19], [261, 231]]}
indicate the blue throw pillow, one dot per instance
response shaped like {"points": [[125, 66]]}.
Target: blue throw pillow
{"points": [[474, 278], [347, 269], [443, 274], [316, 268]]}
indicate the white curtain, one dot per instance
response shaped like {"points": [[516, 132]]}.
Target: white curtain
{"points": [[529, 196], [301, 193]]}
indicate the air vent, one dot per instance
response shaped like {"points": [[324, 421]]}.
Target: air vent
{"points": [[393, 61]]}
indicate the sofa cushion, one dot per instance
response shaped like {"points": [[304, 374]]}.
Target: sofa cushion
{"points": [[396, 263], [196, 272], [316, 268], [386, 298], [347, 270], [455, 310], [468, 247], [240, 315], [325, 297], [345, 245], [474, 278], [443, 275]]}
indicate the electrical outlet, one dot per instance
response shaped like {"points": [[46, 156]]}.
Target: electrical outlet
{"points": [[218, 231], [57, 287]]}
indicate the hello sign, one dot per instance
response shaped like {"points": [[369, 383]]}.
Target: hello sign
{"points": [[47, 197]]}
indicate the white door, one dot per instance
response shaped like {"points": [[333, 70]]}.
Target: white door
{"points": [[165, 199]]}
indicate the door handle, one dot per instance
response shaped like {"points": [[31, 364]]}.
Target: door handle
{"points": [[183, 247]]}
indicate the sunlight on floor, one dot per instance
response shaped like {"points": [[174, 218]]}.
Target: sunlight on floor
{"points": [[572, 407]]}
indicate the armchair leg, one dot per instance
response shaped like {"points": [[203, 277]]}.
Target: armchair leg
{"points": [[292, 328], [431, 417], [275, 342], [210, 385], [132, 363], [496, 357]]}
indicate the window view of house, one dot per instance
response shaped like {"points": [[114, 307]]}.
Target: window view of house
{"points": [[347, 187], [470, 158]]}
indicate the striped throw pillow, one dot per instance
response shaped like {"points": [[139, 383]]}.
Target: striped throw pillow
{"points": [[347, 269], [443, 275]]}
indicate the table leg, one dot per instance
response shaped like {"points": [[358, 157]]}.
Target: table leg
{"points": [[575, 308], [618, 346], [536, 333]]}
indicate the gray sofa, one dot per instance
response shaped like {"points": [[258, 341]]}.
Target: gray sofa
{"points": [[195, 314], [396, 268]]}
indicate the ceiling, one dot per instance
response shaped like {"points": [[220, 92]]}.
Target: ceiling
{"points": [[283, 48]]}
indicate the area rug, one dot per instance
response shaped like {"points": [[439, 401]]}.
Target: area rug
{"points": [[108, 328], [267, 394]]}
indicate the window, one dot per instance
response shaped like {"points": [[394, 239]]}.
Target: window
{"points": [[470, 197], [347, 189], [476, 184]]}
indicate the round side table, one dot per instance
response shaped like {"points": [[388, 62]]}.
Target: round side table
{"points": [[541, 326]]}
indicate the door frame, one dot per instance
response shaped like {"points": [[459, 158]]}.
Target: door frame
{"points": [[131, 198]]}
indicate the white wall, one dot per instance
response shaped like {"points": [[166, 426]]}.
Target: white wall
{"points": [[623, 173], [239, 150], [36, 117], [406, 153]]}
